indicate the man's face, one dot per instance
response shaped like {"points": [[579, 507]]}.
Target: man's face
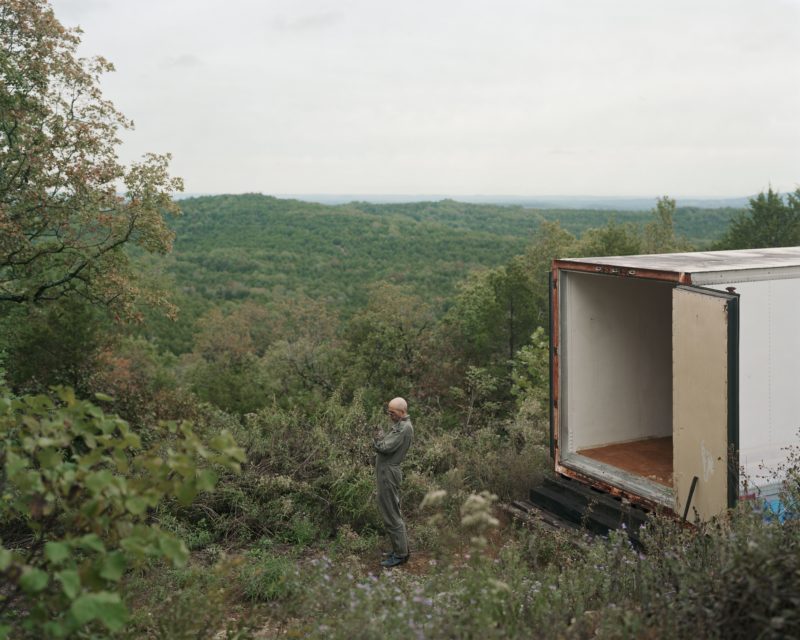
{"points": [[394, 414]]}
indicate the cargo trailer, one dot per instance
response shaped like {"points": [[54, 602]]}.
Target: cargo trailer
{"points": [[675, 378]]}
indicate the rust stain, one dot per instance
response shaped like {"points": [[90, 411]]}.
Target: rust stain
{"points": [[625, 272], [556, 338], [633, 498]]}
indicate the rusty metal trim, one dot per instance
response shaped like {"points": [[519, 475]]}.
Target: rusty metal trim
{"points": [[555, 379], [633, 498], [618, 271], [551, 285]]}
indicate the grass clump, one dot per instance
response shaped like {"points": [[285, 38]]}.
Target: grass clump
{"points": [[267, 577], [188, 603]]}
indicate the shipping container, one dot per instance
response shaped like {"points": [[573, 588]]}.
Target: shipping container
{"points": [[675, 378]]}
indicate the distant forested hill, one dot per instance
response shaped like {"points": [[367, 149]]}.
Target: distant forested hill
{"points": [[258, 247], [700, 226], [253, 245]]}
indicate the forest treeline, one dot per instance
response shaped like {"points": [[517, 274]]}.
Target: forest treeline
{"points": [[260, 248], [189, 391]]}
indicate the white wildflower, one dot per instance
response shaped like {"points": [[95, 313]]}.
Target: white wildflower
{"points": [[433, 498]]}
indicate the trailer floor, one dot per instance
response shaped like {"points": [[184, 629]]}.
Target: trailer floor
{"points": [[650, 458]]}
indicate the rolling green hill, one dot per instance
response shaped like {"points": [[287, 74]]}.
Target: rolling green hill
{"points": [[251, 246], [257, 246]]}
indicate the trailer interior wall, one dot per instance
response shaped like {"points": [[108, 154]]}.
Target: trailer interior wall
{"points": [[769, 374], [616, 376]]}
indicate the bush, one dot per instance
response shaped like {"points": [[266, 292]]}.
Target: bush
{"points": [[306, 476], [733, 578], [76, 493]]}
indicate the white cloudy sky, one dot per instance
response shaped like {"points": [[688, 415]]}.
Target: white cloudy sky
{"points": [[514, 97]]}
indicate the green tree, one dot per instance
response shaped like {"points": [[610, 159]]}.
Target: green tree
{"points": [[471, 324], [303, 363], [531, 371], [496, 310], [658, 236], [224, 366], [552, 241], [63, 226], [770, 221], [388, 342], [474, 400], [611, 240], [514, 292], [56, 344]]}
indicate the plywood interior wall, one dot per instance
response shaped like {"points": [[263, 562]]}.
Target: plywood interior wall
{"points": [[616, 359]]}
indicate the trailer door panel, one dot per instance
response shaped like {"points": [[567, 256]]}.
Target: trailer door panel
{"points": [[704, 400]]}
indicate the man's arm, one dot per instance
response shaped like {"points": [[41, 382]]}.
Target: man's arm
{"points": [[391, 442]]}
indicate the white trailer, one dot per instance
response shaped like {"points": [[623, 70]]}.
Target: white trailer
{"points": [[676, 377]]}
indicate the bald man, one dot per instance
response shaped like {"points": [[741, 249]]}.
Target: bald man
{"points": [[391, 450]]}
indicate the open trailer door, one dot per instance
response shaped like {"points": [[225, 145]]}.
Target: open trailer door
{"points": [[705, 345]]}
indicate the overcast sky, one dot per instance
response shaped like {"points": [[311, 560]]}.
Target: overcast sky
{"points": [[528, 97]]}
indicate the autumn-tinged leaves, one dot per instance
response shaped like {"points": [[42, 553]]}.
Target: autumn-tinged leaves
{"points": [[63, 222]]}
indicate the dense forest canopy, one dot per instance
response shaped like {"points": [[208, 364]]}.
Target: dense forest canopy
{"points": [[257, 247]]}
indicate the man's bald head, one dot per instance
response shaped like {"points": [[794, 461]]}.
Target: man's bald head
{"points": [[398, 408]]}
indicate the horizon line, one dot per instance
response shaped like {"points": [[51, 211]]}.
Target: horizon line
{"points": [[452, 196]]}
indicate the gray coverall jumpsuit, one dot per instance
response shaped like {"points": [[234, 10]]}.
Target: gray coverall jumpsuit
{"points": [[391, 451]]}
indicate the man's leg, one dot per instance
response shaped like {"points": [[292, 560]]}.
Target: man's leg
{"points": [[399, 539], [389, 501]]}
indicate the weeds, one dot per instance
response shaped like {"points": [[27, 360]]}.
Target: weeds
{"points": [[303, 518], [266, 577], [183, 604]]}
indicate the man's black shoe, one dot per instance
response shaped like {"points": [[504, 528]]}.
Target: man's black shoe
{"points": [[394, 561]]}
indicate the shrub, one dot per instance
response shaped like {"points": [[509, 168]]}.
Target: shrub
{"points": [[351, 493], [76, 493], [143, 385], [306, 476], [301, 530], [733, 578]]}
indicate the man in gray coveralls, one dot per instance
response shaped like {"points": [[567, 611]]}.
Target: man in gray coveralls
{"points": [[391, 450]]}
